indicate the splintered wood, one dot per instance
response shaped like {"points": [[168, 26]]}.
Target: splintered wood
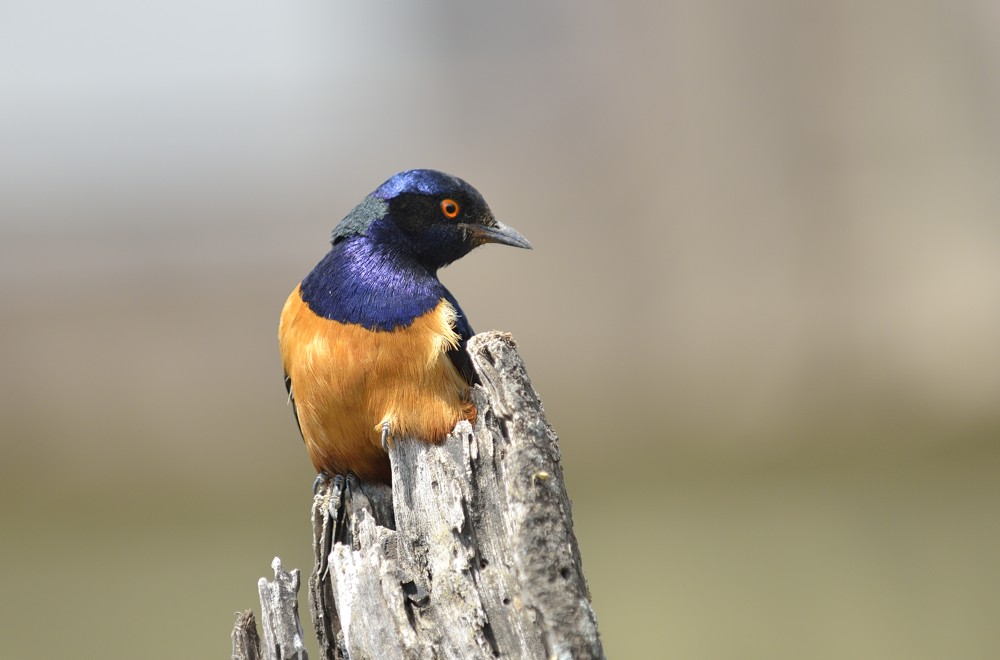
{"points": [[470, 554]]}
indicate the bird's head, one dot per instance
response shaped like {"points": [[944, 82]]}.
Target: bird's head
{"points": [[428, 215]]}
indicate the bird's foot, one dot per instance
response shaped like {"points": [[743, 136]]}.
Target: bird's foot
{"points": [[336, 528], [321, 478], [342, 488], [340, 485]]}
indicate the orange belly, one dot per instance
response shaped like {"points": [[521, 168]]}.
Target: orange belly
{"points": [[347, 381]]}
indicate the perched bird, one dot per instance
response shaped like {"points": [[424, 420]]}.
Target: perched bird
{"points": [[372, 343]]}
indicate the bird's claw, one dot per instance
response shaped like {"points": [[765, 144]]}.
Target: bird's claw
{"points": [[341, 489], [321, 478], [385, 437], [339, 483]]}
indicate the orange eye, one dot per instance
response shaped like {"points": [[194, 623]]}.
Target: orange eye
{"points": [[450, 208]]}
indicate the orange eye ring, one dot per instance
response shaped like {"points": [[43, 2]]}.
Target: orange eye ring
{"points": [[450, 208]]}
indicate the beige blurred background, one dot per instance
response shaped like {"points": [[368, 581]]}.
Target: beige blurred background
{"points": [[763, 309]]}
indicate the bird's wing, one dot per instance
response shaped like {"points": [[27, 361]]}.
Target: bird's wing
{"points": [[291, 401], [460, 356]]}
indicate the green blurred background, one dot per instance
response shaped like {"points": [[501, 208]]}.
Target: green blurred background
{"points": [[763, 309]]}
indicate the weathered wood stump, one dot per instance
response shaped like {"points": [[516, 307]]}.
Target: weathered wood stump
{"points": [[470, 553]]}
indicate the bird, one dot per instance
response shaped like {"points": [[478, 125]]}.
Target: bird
{"points": [[372, 343]]}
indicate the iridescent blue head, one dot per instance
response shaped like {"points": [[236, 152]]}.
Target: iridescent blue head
{"points": [[382, 270], [428, 216]]}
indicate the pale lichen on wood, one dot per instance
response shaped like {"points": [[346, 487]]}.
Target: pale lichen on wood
{"points": [[470, 554]]}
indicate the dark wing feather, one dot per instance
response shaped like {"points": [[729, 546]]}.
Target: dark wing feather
{"points": [[460, 356], [291, 400]]}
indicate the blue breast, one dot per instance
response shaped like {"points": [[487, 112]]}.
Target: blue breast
{"points": [[361, 284]]}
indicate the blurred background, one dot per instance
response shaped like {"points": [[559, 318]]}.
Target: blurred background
{"points": [[763, 309]]}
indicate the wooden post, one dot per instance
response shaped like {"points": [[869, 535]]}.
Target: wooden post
{"points": [[470, 553]]}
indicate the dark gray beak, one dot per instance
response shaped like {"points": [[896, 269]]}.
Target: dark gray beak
{"points": [[497, 233]]}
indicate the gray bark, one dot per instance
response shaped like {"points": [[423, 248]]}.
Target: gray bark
{"points": [[279, 609], [246, 642], [470, 553]]}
